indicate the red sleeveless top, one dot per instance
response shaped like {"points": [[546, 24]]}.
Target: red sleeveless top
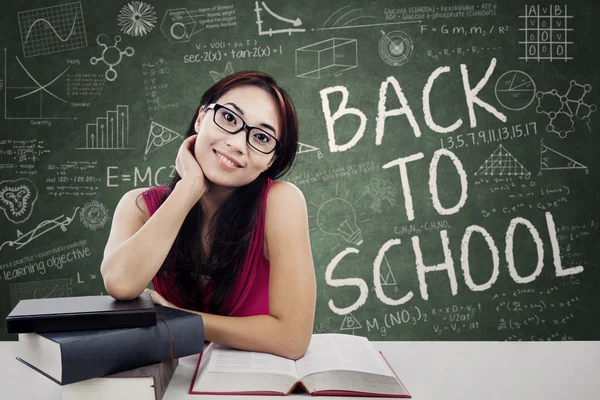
{"points": [[250, 296]]}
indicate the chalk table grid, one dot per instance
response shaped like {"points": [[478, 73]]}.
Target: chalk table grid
{"points": [[429, 370], [546, 31]]}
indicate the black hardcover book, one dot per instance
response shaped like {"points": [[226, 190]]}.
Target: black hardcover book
{"points": [[68, 357], [78, 313]]}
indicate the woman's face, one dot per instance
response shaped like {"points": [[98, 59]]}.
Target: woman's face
{"points": [[227, 159]]}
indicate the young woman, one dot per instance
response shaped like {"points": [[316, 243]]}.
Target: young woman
{"points": [[225, 239]]}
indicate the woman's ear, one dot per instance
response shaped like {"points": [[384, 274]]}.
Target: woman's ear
{"points": [[199, 119]]}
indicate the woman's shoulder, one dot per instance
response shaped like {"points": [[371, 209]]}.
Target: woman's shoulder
{"points": [[284, 202], [281, 192], [285, 207]]}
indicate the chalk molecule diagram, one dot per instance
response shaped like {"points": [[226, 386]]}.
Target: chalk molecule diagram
{"points": [[111, 55], [566, 109]]}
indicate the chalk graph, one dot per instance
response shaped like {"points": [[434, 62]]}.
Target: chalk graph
{"points": [[52, 29], [32, 100], [286, 21], [53, 288]]}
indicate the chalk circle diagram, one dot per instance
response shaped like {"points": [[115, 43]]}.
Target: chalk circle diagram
{"points": [[179, 25], [159, 136], [551, 159], [515, 90], [52, 29], [17, 198], [395, 48], [137, 18], [502, 163], [93, 215], [111, 55]]}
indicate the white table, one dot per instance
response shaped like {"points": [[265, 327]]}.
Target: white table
{"points": [[429, 370]]}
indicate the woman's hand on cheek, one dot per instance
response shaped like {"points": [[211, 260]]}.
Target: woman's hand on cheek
{"points": [[188, 168]]}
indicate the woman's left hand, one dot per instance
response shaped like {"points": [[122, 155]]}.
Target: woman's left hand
{"points": [[158, 299]]}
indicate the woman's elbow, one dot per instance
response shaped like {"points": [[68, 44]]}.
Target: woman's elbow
{"points": [[117, 290], [298, 345]]}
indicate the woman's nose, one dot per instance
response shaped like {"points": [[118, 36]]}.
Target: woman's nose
{"points": [[237, 141]]}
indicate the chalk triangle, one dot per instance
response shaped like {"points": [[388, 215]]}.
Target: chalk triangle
{"points": [[552, 159], [500, 163], [386, 275], [159, 136], [350, 323], [305, 148]]}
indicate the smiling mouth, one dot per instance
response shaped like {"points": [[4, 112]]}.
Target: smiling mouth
{"points": [[226, 160]]}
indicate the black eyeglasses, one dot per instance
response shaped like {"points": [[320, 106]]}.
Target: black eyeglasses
{"points": [[230, 122]]}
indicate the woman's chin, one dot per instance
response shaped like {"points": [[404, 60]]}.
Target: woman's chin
{"points": [[217, 179]]}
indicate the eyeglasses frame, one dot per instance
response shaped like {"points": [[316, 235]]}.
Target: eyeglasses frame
{"points": [[216, 107]]}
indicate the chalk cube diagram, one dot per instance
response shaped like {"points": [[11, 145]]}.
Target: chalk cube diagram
{"points": [[328, 57]]}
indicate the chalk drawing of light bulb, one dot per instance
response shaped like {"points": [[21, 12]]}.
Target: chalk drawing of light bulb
{"points": [[337, 217]]}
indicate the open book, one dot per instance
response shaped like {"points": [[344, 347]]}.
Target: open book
{"points": [[335, 364]]}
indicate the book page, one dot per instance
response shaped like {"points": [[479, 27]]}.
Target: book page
{"points": [[319, 357], [341, 352], [224, 359], [358, 354]]}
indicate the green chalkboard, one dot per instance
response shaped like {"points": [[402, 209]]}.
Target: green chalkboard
{"points": [[448, 153]]}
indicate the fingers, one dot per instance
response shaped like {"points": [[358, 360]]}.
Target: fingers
{"points": [[186, 145], [185, 156], [188, 142]]}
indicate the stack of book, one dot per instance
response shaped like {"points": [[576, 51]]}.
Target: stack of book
{"points": [[98, 347]]}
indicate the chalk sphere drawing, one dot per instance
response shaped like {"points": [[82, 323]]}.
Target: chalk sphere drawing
{"points": [[395, 48], [93, 215]]}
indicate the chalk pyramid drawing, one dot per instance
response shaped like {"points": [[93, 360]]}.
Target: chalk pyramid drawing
{"points": [[350, 323], [158, 137], [305, 148], [385, 274], [501, 163], [552, 159]]}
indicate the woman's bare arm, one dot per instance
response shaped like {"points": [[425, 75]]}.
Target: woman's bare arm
{"points": [[138, 245], [292, 285]]}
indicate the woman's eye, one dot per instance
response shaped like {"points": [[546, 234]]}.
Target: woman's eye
{"points": [[262, 137], [229, 117]]}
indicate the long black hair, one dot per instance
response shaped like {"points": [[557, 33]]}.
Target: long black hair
{"points": [[231, 226]]}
